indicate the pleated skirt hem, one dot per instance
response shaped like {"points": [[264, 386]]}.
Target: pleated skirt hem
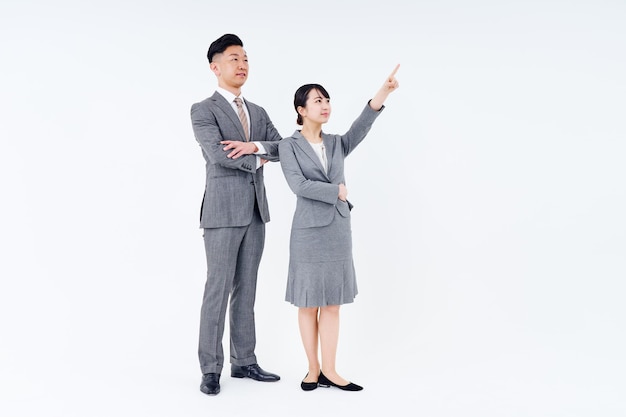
{"points": [[318, 284]]}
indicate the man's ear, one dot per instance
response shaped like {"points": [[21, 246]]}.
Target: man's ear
{"points": [[215, 68]]}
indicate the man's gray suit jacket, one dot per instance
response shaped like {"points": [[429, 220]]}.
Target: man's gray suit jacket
{"points": [[232, 185]]}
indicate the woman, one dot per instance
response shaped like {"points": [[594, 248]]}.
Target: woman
{"points": [[321, 272]]}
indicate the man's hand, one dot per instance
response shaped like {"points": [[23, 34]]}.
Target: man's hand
{"points": [[238, 148]]}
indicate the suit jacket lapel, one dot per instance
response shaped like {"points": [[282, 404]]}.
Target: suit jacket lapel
{"points": [[223, 104], [255, 115]]}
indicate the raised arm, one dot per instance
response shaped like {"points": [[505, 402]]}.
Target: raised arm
{"points": [[390, 85]]}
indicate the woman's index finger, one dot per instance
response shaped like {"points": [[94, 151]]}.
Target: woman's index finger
{"points": [[393, 73]]}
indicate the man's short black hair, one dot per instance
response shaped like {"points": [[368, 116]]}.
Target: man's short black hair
{"points": [[220, 44]]}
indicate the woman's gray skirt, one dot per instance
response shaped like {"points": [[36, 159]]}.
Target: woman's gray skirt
{"points": [[321, 270]]}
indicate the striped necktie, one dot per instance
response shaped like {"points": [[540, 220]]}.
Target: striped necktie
{"points": [[242, 117]]}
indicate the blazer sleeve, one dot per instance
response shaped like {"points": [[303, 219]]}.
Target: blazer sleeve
{"points": [[359, 129], [208, 135], [299, 184]]}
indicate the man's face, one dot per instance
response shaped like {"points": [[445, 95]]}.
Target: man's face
{"points": [[231, 67]]}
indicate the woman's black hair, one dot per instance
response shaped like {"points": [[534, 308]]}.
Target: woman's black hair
{"points": [[302, 93]]}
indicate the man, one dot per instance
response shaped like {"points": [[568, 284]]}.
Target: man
{"points": [[236, 141]]}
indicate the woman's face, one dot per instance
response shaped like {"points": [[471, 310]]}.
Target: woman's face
{"points": [[317, 108]]}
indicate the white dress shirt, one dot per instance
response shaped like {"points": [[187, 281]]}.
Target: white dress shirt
{"points": [[320, 150]]}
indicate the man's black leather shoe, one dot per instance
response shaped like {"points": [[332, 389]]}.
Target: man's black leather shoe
{"points": [[210, 384], [253, 371]]}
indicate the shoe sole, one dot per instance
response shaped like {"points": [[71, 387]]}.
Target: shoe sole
{"points": [[238, 375], [206, 391]]}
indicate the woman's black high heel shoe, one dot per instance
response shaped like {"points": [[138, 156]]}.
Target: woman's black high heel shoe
{"points": [[308, 386], [322, 381]]}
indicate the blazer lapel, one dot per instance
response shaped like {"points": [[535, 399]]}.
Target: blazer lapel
{"points": [[308, 150]]}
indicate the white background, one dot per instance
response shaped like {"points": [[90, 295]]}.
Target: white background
{"points": [[489, 231]]}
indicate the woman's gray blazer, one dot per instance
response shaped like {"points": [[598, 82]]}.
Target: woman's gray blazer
{"points": [[317, 192]]}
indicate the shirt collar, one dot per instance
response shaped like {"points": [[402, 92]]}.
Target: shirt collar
{"points": [[230, 97]]}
